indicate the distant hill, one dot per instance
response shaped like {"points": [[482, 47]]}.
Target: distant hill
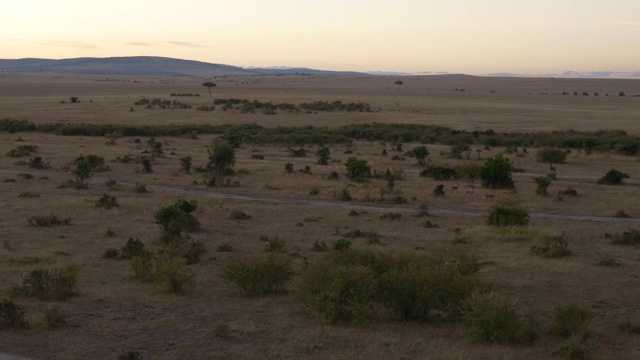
{"points": [[138, 65], [147, 65]]}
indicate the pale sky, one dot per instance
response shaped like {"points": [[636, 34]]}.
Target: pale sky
{"points": [[458, 36]]}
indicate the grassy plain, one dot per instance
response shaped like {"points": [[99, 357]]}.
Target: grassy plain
{"points": [[113, 313]]}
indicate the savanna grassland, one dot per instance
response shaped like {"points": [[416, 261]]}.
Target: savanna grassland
{"points": [[575, 263]]}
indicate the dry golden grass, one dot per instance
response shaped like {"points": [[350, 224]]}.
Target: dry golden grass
{"points": [[113, 313]]}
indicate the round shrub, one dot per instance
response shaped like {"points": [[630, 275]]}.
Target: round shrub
{"points": [[507, 213]]}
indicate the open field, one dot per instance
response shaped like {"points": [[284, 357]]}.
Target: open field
{"points": [[113, 313]]}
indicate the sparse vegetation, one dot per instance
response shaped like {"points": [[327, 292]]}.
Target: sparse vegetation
{"points": [[260, 276], [53, 284]]}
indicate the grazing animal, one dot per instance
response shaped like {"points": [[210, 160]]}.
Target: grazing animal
{"points": [[146, 211], [552, 168], [454, 188], [469, 192], [489, 196]]}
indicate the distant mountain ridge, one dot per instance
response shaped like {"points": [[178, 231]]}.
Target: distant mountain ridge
{"points": [[147, 65], [164, 66]]}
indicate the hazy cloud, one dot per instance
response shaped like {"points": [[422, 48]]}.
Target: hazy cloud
{"points": [[185, 44], [69, 44], [138, 43], [629, 23]]}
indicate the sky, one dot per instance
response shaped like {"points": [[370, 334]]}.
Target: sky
{"points": [[456, 36]]}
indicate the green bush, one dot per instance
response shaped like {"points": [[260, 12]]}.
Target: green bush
{"points": [[438, 190], [47, 220], [555, 247], [438, 173], [107, 202], [176, 219], [496, 173], [174, 275], [551, 155], [259, 276], [357, 170], [324, 155], [489, 319], [12, 315], [416, 286], [629, 237], [55, 318], [339, 292], [341, 244], [542, 183], [44, 284], [420, 153], [222, 158], [507, 212], [577, 347], [569, 319], [613, 177], [144, 267], [132, 249]]}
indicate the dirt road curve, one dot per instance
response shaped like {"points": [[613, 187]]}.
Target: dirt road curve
{"points": [[98, 181]]}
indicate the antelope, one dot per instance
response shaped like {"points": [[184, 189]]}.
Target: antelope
{"points": [[489, 196], [454, 188], [552, 168], [146, 211], [469, 192]]}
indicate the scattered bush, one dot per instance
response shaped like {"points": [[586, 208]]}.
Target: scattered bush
{"points": [[275, 245], [130, 355], [239, 215], [556, 247], [107, 202], [28, 195], [577, 347], [357, 170], [391, 216], [621, 214], [143, 267], [11, 315], [288, 168], [176, 218], [132, 249], [570, 191], [613, 177], [569, 319], [420, 153], [319, 246], [260, 276], [341, 244], [44, 284], [221, 331], [222, 158], [22, 150], [438, 190], [174, 275], [551, 155], [630, 237], [507, 212], [224, 247], [111, 253], [47, 220], [344, 195], [55, 318], [489, 319], [324, 155], [608, 260], [542, 183]]}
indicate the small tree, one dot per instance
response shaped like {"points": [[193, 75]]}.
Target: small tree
{"points": [[323, 154], [496, 173], [82, 172], [399, 83], [420, 153], [222, 157], [209, 85], [542, 183], [357, 170]]}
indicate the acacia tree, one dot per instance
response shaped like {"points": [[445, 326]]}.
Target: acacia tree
{"points": [[399, 83], [209, 85]]}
